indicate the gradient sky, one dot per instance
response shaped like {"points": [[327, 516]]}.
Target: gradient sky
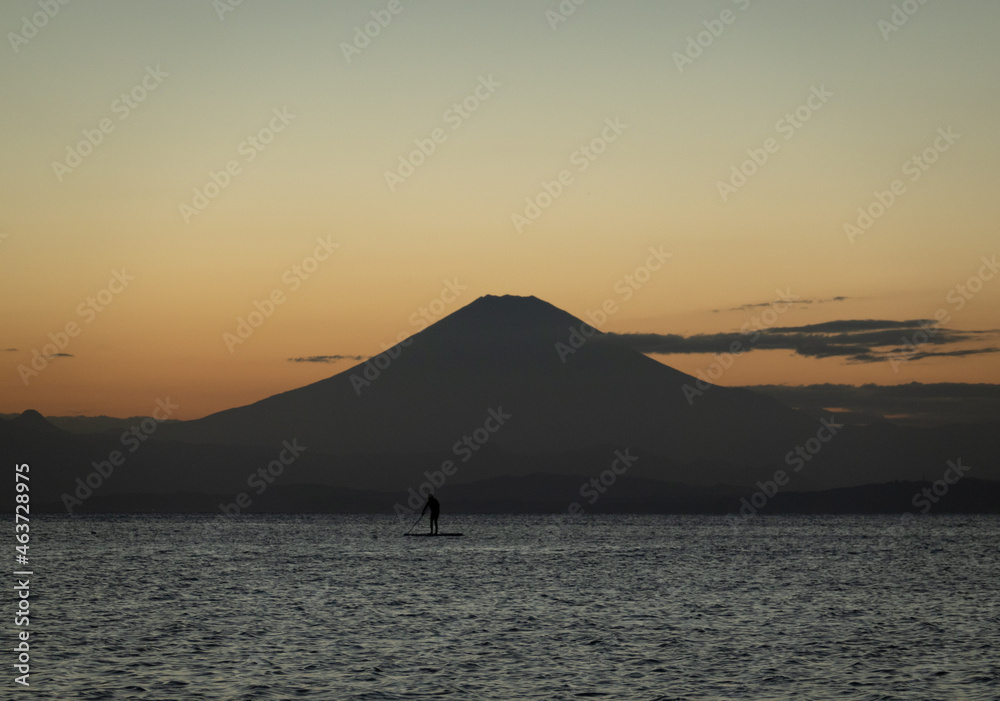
{"points": [[222, 79]]}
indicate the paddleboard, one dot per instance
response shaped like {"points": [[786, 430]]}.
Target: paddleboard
{"points": [[432, 535]]}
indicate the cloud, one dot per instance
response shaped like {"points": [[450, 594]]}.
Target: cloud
{"points": [[850, 325], [759, 305], [912, 404], [954, 353], [326, 358], [855, 340]]}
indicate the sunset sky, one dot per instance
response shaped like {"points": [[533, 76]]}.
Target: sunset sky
{"points": [[245, 149]]}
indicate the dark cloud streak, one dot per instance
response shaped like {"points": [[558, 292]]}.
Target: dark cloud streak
{"points": [[912, 404], [856, 340], [850, 325], [761, 305], [326, 358]]}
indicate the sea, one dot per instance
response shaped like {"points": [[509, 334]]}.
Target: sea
{"points": [[519, 607]]}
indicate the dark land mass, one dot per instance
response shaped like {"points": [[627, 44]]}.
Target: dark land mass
{"points": [[553, 494], [508, 404]]}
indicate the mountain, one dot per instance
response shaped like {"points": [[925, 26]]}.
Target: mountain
{"points": [[568, 393], [62, 463], [502, 389], [504, 352]]}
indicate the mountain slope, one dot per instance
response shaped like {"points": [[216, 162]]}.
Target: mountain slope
{"points": [[502, 352]]}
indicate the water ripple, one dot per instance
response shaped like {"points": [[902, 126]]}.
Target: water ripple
{"points": [[533, 607]]}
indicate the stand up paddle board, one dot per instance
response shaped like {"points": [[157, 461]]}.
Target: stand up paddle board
{"points": [[431, 535]]}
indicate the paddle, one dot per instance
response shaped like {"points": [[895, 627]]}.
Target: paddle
{"points": [[415, 523]]}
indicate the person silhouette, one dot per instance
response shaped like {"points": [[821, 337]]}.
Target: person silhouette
{"points": [[435, 508]]}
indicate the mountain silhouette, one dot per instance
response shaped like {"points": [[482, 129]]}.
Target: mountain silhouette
{"points": [[570, 395], [514, 353], [32, 423], [508, 389]]}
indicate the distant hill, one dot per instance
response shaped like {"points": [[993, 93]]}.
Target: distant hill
{"points": [[83, 425], [546, 493]]}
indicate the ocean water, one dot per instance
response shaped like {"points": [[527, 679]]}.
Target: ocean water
{"points": [[521, 607]]}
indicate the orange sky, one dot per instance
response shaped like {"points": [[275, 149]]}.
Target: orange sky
{"points": [[262, 110]]}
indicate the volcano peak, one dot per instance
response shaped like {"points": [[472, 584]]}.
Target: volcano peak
{"points": [[509, 312]]}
